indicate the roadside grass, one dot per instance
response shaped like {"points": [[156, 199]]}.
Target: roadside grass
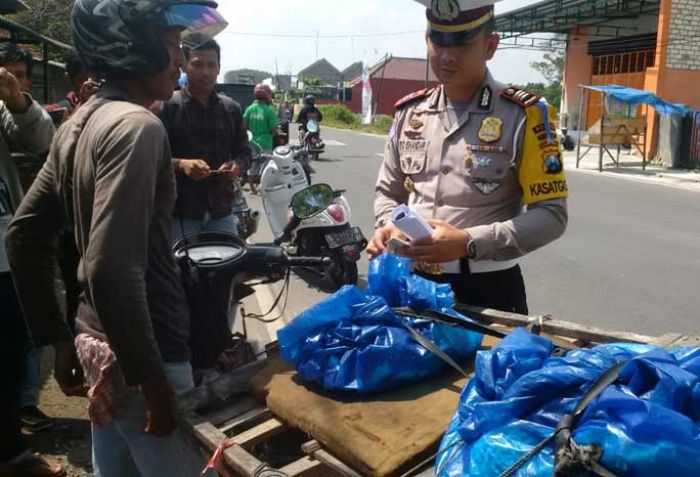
{"points": [[341, 117]]}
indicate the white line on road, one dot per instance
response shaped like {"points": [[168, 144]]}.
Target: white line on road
{"points": [[329, 142], [266, 299]]}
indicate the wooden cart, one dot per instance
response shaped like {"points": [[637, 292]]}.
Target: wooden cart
{"points": [[223, 415]]}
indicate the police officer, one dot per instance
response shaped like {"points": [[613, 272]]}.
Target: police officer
{"points": [[478, 159]]}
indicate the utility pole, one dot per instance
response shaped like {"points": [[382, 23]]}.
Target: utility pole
{"points": [[316, 45]]}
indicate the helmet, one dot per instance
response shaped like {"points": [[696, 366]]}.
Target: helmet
{"points": [[120, 36], [309, 99], [263, 92]]}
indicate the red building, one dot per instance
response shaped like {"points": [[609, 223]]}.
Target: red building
{"points": [[391, 80]]}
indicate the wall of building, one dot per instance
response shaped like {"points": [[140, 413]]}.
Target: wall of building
{"points": [[683, 52], [385, 95], [577, 71]]}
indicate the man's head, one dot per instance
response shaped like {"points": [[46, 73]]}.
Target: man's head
{"points": [[202, 65], [19, 62], [76, 74], [310, 100], [140, 41]]}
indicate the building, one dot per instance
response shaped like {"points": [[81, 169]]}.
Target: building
{"points": [[392, 79], [322, 70], [645, 44]]}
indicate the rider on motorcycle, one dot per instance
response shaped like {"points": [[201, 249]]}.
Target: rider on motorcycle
{"points": [[309, 112]]}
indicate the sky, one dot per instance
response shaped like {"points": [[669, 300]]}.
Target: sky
{"points": [[248, 42]]}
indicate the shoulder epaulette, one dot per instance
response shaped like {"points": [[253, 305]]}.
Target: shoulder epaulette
{"points": [[412, 97], [520, 96]]}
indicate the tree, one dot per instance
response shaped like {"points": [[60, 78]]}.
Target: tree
{"points": [[552, 69], [51, 18]]}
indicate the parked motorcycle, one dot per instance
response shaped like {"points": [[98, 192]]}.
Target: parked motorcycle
{"points": [[324, 234], [215, 268]]}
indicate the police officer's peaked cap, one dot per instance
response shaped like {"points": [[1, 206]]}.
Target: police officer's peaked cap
{"points": [[452, 22]]}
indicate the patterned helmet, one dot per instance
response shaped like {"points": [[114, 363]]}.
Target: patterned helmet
{"points": [[263, 92], [310, 99], [120, 36]]}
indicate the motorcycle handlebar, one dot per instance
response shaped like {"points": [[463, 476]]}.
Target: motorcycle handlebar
{"points": [[309, 261]]}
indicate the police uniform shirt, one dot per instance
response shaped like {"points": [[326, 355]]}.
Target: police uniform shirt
{"points": [[496, 171]]}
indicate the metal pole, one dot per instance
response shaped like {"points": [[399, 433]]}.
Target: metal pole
{"points": [[602, 135], [381, 82], [584, 91], [46, 72], [644, 149]]}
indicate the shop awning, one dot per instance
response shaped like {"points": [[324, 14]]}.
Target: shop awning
{"points": [[640, 96]]}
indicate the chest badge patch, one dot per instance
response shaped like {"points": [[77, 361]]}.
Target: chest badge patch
{"points": [[491, 129], [415, 123], [486, 188]]}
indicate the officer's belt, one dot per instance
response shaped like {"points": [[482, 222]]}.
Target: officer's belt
{"points": [[477, 266]]}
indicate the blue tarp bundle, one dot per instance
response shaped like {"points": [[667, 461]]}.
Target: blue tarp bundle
{"points": [[648, 423], [353, 341], [639, 96]]}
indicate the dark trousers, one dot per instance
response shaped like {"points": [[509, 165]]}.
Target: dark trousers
{"points": [[14, 341], [503, 290]]}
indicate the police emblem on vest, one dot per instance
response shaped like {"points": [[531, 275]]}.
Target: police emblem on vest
{"points": [[491, 129]]}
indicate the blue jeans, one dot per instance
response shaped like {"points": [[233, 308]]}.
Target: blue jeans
{"points": [[121, 449], [31, 381], [228, 224]]}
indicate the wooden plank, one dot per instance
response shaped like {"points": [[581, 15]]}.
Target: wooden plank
{"points": [[221, 389], [304, 467], [554, 327], [230, 411], [313, 448], [260, 432], [247, 418], [237, 458]]}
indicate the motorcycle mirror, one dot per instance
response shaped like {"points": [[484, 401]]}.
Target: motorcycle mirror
{"points": [[312, 201]]}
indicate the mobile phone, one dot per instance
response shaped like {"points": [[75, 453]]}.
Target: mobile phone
{"points": [[395, 246]]}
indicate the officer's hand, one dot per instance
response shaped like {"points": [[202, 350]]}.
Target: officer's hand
{"points": [[195, 169], [11, 93], [447, 243], [234, 170], [382, 235]]}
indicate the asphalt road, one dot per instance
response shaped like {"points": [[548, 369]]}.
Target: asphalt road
{"points": [[630, 259]]}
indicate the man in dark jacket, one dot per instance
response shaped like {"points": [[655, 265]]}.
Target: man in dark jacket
{"points": [[209, 144]]}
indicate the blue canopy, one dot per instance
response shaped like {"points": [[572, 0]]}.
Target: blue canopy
{"points": [[639, 96]]}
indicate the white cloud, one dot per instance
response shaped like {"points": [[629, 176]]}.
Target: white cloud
{"points": [[339, 18]]}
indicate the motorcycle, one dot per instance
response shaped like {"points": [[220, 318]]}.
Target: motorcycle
{"points": [[325, 234], [310, 140], [216, 269], [247, 219]]}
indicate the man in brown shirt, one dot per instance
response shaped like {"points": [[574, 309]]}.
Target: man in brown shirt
{"points": [[109, 174]]}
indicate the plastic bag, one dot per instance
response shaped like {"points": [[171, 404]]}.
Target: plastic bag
{"points": [[648, 424], [354, 341]]}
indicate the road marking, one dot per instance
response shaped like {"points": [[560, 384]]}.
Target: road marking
{"points": [[661, 181], [266, 298], [329, 142]]}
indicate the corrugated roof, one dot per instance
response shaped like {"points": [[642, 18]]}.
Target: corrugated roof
{"points": [[13, 26]]}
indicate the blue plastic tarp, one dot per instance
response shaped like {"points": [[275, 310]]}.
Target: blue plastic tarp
{"points": [[639, 96], [648, 423], [354, 341]]}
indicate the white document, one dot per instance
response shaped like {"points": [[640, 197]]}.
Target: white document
{"points": [[411, 223]]}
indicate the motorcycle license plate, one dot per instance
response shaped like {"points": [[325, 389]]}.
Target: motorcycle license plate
{"points": [[338, 239]]}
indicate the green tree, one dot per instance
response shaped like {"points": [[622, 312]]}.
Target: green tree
{"points": [[51, 18], [552, 69]]}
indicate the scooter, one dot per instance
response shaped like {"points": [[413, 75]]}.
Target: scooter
{"points": [[215, 270], [326, 234]]}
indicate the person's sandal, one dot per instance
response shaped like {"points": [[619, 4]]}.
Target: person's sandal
{"points": [[31, 465]]}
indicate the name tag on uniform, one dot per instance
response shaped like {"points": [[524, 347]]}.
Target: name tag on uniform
{"points": [[407, 145]]}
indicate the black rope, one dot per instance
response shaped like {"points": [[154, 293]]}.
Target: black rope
{"points": [[283, 292]]}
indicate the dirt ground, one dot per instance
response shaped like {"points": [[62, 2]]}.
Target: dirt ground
{"points": [[68, 441]]}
